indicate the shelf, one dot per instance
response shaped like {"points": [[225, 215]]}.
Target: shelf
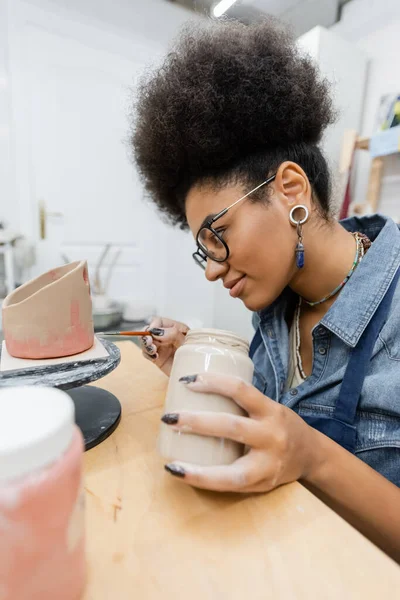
{"points": [[381, 144], [362, 143]]}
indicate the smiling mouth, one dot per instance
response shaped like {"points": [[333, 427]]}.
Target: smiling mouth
{"points": [[235, 286]]}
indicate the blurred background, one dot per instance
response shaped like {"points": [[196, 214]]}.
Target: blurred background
{"points": [[68, 191]]}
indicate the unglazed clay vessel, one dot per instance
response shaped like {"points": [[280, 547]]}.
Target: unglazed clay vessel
{"points": [[50, 316], [212, 351]]}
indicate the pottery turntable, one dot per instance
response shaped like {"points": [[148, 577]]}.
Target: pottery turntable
{"points": [[49, 341]]}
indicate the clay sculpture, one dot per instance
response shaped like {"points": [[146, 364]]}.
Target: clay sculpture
{"points": [[50, 316]]}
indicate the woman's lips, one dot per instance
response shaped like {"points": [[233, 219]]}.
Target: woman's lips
{"points": [[237, 288]]}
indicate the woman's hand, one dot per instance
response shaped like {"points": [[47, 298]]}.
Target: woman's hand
{"points": [[160, 347], [283, 447]]}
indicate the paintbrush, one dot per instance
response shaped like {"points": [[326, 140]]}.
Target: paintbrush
{"points": [[129, 333], [124, 333]]}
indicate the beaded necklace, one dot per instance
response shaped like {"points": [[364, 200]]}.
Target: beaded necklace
{"points": [[362, 245]]}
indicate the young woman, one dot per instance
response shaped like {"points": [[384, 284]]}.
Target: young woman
{"points": [[226, 138]]}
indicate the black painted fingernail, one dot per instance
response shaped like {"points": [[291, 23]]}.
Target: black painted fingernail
{"points": [[157, 332], [152, 356], [175, 470], [188, 379], [170, 418]]}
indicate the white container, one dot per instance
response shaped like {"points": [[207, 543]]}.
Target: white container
{"points": [[204, 350], [42, 551]]}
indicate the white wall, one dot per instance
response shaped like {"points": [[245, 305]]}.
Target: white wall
{"points": [[115, 28], [374, 26], [187, 295], [344, 66], [8, 211], [153, 20]]}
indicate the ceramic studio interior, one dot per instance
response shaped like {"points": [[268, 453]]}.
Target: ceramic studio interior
{"points": [[200, 299]]}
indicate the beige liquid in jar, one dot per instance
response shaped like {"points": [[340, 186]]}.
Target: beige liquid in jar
{"points": [[204, 350]]}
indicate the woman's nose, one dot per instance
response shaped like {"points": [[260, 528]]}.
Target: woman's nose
{"points": [[215, 270]]}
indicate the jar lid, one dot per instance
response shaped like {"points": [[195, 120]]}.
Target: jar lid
{"points": [[36, 428]]}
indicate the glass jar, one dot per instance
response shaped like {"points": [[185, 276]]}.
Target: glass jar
{"points": [[213, 351], [41, 496]]}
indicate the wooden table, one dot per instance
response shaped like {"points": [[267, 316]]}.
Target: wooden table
{"points": [[150, 537]]}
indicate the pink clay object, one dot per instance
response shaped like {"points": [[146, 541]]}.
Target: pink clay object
{"points": [[42, 551], [50, 316], [42, 524]]}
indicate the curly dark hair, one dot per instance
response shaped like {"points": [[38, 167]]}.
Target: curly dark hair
{"points": [[229, 104]]}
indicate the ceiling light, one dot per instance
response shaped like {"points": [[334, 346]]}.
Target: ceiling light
{"points": [[220, 8]]}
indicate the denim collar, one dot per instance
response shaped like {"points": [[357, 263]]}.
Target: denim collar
{"points": [[361, 296], [357, 302]]}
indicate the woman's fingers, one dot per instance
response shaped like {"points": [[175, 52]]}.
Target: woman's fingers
{"points": [[222, 425], [244, 394], [149, 348], [169, 336], [160, 345], [148, 345], [163, 323], [237, 477], [155, 322], [150, 357], [166, 332]]}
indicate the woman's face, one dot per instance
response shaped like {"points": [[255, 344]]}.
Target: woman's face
{"points": [[259, 235]]}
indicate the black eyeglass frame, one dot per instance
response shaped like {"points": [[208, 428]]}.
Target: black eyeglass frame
{"points": [[200, 256]]}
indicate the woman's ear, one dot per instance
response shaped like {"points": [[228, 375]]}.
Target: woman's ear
{"points": [[292, 185]]}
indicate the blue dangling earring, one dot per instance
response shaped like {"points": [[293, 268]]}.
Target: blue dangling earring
{"points": [[299, 251]]}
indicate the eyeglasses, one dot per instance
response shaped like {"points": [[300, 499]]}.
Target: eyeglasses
{"points": [[210, 243]]}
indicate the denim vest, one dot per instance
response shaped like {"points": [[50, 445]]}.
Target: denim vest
{"points": [[356, 355]]}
